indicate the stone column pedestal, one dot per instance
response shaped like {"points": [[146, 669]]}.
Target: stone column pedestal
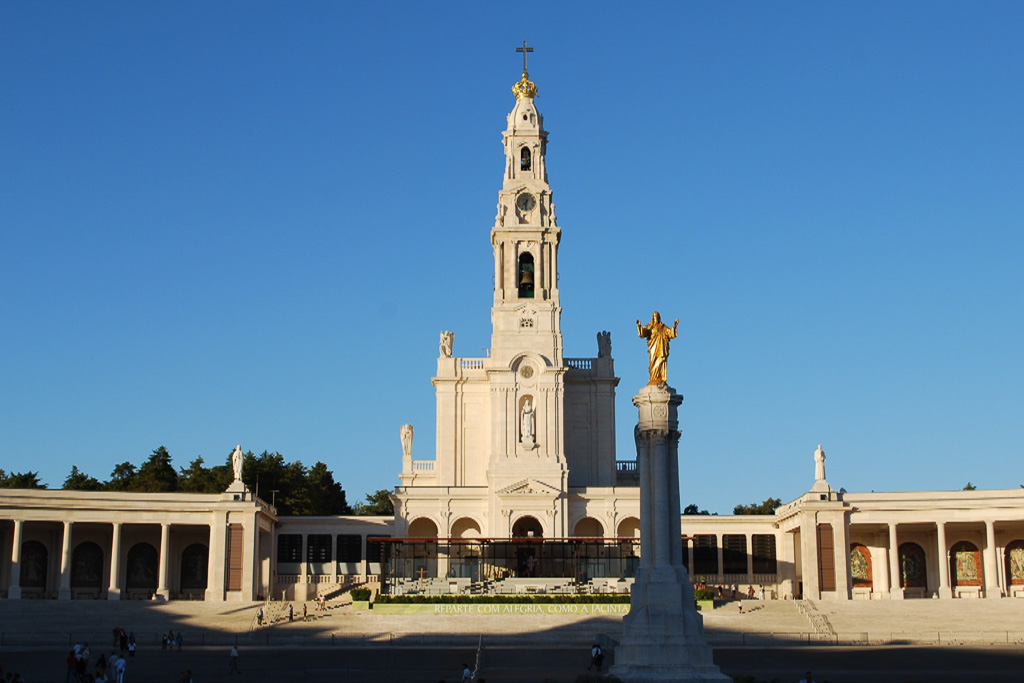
{"points": [[663, 635]]}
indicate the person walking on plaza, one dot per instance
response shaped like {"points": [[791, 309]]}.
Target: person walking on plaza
{"points": [[596, 657], [259, 617], [233, 663], [291, 611], [305, 612], [467, 675], [178, 640]]}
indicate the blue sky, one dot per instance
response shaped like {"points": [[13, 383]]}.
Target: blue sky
{"points": [[240, 222]]}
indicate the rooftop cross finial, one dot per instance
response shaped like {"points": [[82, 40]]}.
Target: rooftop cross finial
{"points": [[524, 50]]}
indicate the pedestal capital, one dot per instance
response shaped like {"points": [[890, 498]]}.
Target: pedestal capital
{"points": [[658, 405]]}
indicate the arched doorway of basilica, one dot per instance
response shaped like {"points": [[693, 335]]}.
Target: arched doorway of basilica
{"points": [[527, 527], [141, 569], [629, 528], [913, 566], [588, 527], [464, 558], [421, 550], [964, 565], [87, 568], [195, 561]]}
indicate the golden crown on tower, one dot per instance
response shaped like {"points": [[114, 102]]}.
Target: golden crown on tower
{"points": [[525, 87]]}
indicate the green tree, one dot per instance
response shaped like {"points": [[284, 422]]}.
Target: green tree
{"points": [[197, 478], [326, 497], [157, 474], [20, 480], [691, 509], [377, 503], [122, 478], [768, 507], [970, 487], [80, 481]]}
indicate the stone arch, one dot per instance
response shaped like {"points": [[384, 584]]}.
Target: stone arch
{"points": [[34, 563], [860, 565], [195, 562], [588, 527], [628, 528], [527, 527], [525, 275], [525, 158], [466, 527], [422, 527], [87, 566], [913, 566], [142, 568], [965, 565]]}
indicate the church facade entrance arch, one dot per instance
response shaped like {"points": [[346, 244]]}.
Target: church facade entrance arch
{"points": [[527, 527], [588, 527]]}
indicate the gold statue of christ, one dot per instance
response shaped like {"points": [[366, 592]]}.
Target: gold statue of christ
{"points": [[657, 335]]}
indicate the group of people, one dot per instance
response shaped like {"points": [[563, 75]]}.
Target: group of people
{"points": [[110, 669], [320, 604], [701, 584], [170, 640]]}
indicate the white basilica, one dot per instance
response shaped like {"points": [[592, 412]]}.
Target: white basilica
{"points": [[524, 492]]}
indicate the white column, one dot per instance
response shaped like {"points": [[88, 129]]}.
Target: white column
{"points": [[809, 569], [689, 557], [65, 564], [217, 560], [114, 589], [165, 561], [14, 590], [944, 589], [750, 559], [841, 548], [992, 589], [880, 568], [303, 565], [720, 579], [896, 591]]}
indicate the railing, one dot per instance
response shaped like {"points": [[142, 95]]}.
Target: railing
{"points": [[580, 363], [423, 465], [626, 467], [471, 363]]}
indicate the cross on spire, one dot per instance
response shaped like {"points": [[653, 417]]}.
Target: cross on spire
{"points": [[524, 50]]}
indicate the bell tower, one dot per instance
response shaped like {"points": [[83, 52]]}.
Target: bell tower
{"points": [[526, 313]]}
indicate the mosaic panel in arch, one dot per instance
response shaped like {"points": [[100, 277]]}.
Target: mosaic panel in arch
{"points": [[86, 566], [33, 565], [913, 568], [860, 565], [965, 564], [1015, 562]]}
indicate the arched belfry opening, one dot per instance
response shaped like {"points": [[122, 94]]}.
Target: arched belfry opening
{"points": [[525, 159], [525, 276]]}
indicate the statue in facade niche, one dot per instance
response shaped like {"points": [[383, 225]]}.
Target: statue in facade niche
{"points": [[527, 424], [819, 464], [657, 335], [236, 462], [406, 434], [446, 344], [604, 344]]}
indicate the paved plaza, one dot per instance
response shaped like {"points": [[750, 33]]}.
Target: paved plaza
{"points": [[924, 640]]}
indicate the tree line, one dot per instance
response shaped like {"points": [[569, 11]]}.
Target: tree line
{"points": [[293, 488]]}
